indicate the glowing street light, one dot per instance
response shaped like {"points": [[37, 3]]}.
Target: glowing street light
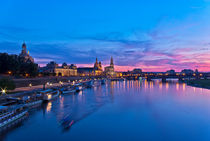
{"points": [[9, 72], [30, 85], [3, 91]]}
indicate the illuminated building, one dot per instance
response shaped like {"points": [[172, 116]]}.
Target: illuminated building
{"points": [[109, 70], [24, 54], [63, 70], [96, 70]]}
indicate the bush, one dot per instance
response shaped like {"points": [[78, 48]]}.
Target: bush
{"points": [[6, 83]]}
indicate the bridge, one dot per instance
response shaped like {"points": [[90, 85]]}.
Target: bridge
{"points": [[165, 76]]}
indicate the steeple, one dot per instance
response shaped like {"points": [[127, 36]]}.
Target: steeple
{"points": [[112, 62], [24, 48], [96, 64]]}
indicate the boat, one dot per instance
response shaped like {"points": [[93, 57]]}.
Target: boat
{"points": [[78, 88], [90, 83], [11, 114], [31, 101], [69, 91], [49, 94], [34, 103]]}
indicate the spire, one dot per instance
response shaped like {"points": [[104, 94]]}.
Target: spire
{"points": [[96, 60], [111, 62], [24, 48]]}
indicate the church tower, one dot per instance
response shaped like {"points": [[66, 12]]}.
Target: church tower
{"points": [[112, 63], [24, 50], [96, 64], [24, 54]]}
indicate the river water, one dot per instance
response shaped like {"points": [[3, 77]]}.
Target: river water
{"points": [[121, 111]]}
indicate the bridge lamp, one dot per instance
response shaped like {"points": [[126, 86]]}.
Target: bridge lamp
{"points": [[201, 74], [30, 85]]}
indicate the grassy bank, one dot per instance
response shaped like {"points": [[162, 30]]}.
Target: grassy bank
{"points": [[199, 83]]}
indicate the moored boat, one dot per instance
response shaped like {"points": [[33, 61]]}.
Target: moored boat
{"points": [[69, 91], [78, 88], [89, 84], [49, 94], [33, 103], [11, 114]]}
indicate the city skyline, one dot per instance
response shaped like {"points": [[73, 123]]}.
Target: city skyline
{"points": [[138, 34]]}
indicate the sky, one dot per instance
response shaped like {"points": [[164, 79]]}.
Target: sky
{"points": [[148, 34]]}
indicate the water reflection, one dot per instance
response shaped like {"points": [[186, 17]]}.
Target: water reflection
{"points": [[77, 107], [134, 110]]}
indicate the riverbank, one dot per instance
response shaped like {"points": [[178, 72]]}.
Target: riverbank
{"points": [[199, 83]]}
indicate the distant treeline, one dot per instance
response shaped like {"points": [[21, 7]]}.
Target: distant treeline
{"points": [[17, 66]]}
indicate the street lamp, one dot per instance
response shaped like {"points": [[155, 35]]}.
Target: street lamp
{"points": [[3, 91]]}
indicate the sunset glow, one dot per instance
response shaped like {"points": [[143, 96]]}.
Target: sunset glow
{"points": [[151, 35]]}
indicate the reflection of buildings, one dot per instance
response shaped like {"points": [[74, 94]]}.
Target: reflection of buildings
{"points": [[63, 70], [91, 71], [24, 54], [109, 70]]}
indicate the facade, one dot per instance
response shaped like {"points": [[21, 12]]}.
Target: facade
{"points": [[86, 71], [109, 70], [25, 54], [96, 70], [63, 70]]}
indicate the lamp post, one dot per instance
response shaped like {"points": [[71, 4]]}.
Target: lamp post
{"points": [[3, 91]]}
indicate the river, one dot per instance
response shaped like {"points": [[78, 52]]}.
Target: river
{"points": [[121, 111]]}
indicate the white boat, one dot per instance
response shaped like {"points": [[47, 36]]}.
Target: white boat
{"points": [[10, 114], [49, 94]]}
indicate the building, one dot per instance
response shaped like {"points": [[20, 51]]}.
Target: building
{"points": [[85, 71], [187, 72], [109, 70], [24, 54], [137, 71], [171, 72], [63, 70], [96, 70]]}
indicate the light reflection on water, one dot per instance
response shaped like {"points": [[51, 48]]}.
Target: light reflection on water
{"points": [[122, 110]]}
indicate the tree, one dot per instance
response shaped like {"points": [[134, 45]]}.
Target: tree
{"points": [[17, 65], [8, 84]]}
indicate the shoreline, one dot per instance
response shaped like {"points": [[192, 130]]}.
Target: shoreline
{"points": [[204, 84]]}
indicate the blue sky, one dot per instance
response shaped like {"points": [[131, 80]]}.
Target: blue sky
{"points": [[149, 34]]}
